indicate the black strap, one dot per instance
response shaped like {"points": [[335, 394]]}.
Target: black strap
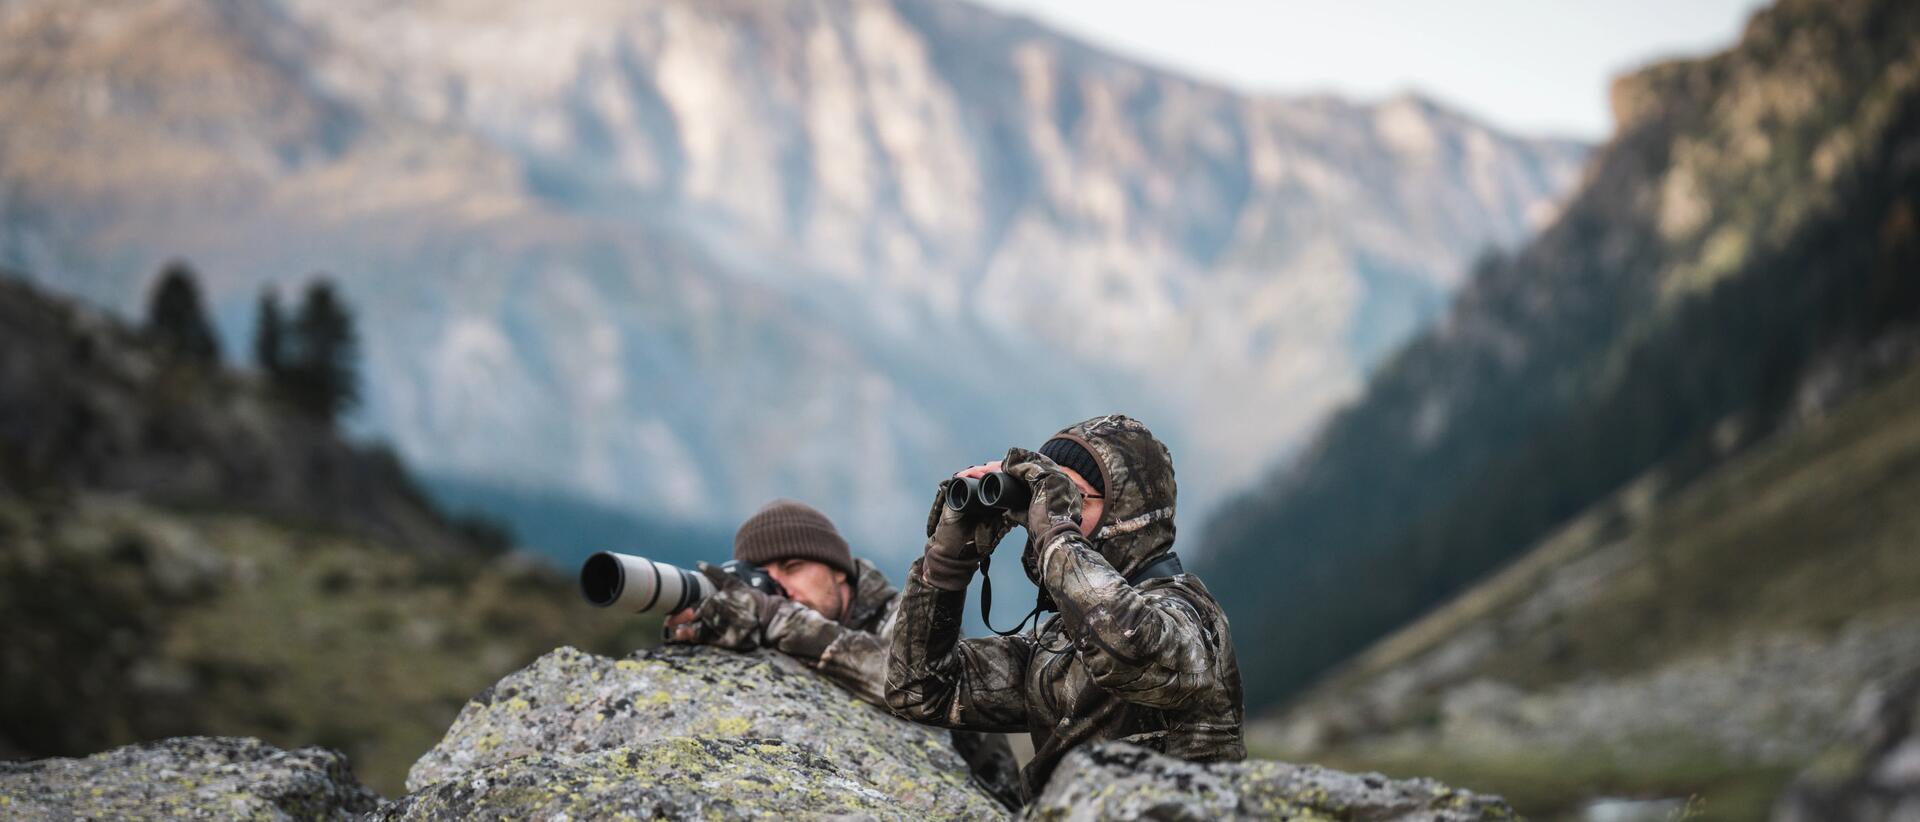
{"points": [[1168, 565], [986, 601]]}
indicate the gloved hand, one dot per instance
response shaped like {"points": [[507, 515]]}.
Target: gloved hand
{"points": [[735, 617], [955, 543], [1056, 501]]}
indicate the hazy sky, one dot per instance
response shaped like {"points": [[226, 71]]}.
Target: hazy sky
{"points": [[1535, 66]]}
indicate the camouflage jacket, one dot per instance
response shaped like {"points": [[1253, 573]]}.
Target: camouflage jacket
{"points": [[1152, 664], [851, 651]]}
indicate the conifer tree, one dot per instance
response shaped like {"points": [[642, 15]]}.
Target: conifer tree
{"points": [[319, 362], [177, 317], [269, 333]]}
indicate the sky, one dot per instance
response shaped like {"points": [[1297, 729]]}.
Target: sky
{"points": [[1537, 67]]}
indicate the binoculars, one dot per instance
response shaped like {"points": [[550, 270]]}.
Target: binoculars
{"points": [[644, 586], [999, 491]]}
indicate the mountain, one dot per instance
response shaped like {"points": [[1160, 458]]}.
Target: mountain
{"points": [[682, 256], [1741, 258], [180, 553]]}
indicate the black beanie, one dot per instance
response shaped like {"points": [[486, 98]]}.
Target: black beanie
{"points": [[785, 529], [1070, 454]]}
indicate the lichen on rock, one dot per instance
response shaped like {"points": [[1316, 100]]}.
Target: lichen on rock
{"points": [[703, 723], [682, 778], [1118, 781], [192, 777]]}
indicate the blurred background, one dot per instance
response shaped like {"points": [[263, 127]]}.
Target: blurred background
{"points": [[1541, 377]]}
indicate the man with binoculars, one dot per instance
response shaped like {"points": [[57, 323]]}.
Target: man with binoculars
{"points": [[1139, 650]]}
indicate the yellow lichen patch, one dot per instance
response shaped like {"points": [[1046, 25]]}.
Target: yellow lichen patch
{"points": [[731, 726]]}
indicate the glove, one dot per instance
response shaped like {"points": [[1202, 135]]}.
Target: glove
{"points": [[1055, 506], [955, 542], [735, 617]]}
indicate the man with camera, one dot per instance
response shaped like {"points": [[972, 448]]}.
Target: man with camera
{"points": [[831, 617], [1139, 650], [836, 616]]}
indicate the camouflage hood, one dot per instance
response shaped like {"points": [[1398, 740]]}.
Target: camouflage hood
{"points": [[1137, 524]]}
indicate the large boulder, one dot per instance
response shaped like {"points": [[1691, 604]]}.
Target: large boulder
{"points": [[684, 778], [193, 777], [1118, 781], [684, 731]]}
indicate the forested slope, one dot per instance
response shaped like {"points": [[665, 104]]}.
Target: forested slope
{"points": [[1743, 252]]}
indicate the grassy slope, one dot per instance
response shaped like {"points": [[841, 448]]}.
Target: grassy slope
{"points": [[1804, 533], [154, 622]]}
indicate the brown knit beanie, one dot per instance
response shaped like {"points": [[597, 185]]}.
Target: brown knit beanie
{"points": [[785, 529]]}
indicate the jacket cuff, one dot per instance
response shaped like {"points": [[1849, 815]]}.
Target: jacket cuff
{"points": [[947, 573]]}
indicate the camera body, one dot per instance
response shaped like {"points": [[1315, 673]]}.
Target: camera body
{"points": [[755, 577], [643, 586]]}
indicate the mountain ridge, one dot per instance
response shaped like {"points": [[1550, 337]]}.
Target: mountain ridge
{"points": [[616, 223]]}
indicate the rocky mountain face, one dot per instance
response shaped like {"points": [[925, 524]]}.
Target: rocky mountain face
{"points": [[182, 554], [704, 733], [684, 256], [1740, 260]]}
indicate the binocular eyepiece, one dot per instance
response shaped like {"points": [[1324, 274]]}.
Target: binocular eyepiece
{"points": [[996, 491], [643, 586]]}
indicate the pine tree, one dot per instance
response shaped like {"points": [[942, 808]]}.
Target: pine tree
{"points": [[269, 331], [319, 362], [177, 317]]}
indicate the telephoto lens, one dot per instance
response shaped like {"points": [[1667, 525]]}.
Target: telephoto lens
{"points": [[640, 585], [1004, 491], [963, 495]]}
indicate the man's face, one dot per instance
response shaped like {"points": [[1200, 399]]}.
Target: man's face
{"points": [[813, 584]]}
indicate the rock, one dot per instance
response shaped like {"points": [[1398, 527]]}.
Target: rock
{"points": [[1118, 781], [1874, 773], [194, 777], [684, 731], [677, 778]]}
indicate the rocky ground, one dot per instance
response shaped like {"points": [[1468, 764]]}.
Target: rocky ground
{"points": [[1873, 775], [192, 777], [693, 733]]}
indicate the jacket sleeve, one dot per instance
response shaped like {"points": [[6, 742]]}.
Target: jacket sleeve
{"points": [[937, 678], [1147, 648], [853, 659]]}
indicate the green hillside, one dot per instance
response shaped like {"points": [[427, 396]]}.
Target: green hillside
{"points": [[1798, 553], [180, 554]]}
